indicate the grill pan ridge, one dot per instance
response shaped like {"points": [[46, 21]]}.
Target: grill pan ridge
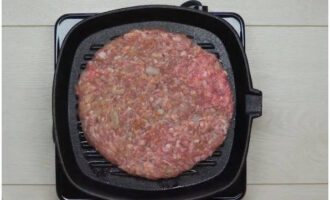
{"points": [[97, 176]]}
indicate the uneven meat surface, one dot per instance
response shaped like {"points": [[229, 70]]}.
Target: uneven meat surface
{"points": [[154, 103]]}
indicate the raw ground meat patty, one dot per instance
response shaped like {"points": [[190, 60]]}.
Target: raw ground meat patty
{"points": [[154, 103]]}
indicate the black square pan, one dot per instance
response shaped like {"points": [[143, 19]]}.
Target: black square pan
{"points": [[106, 181]]}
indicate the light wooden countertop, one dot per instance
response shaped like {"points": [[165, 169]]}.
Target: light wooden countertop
{"points": [[286, 44]]}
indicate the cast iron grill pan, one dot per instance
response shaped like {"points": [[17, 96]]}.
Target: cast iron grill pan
{"points": [[110, 183], [92, 163]]}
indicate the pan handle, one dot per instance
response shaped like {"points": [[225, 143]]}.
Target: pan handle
{"points": [[195, 5], [253, 101]]}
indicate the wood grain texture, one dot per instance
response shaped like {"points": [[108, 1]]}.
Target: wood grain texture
{"points": [[254, 192], [288, 143], [254, 12], [27, 119], [287, 192], [29, 192]]}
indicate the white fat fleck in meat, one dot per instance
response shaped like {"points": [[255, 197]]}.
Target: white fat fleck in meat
{"points": [[224, 128], [170, 164], [167, 147], [177, 38], [152, 70], [183, 53], [158, 101], [157, 55], [110, 69], [117, 57], [108, 150], [95, 135], [175, 156], [118, 90], [195, 118], [101, 55], [160, 111], [114, 119]]}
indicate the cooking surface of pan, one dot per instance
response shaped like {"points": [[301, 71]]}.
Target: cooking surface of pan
{"points": [[92, 163]]}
